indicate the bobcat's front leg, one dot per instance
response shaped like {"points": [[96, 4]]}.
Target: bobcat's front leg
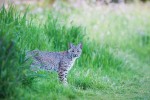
{"points": [[62, 72]]}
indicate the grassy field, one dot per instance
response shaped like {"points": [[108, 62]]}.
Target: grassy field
{"points": [[115, 63]]}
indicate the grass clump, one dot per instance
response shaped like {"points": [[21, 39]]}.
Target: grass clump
{"points": [[9, 54]]}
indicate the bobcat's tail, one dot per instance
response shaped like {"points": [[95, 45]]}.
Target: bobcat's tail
{"points": [[31, 54]]}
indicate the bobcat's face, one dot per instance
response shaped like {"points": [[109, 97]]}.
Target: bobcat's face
{"points": [[75, 51]]}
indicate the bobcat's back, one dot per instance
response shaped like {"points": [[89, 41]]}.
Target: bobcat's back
{"points": [[45, 60]]}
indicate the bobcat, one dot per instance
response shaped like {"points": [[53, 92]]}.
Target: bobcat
{"points": [[61, 62]]}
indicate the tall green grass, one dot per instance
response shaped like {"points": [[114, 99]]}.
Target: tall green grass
{"points": [[97, 69], [9, 53]]}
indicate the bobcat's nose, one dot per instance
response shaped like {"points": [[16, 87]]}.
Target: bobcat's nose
{"points": [[75, 55]]}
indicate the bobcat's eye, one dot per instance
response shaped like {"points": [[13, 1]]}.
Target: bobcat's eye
{"points": [[77, 50], [72, 50]]}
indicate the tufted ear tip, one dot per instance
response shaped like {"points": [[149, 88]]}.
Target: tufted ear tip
{"points": [[71, 45], [80, 45]]}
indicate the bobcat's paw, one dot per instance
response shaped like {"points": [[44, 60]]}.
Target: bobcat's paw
{"points": [[65, 83]]}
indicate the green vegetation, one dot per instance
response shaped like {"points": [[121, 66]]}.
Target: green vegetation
{"points": [[114, 64]]}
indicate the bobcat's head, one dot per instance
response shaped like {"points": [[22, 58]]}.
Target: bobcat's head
{"points": [[75, 51]]}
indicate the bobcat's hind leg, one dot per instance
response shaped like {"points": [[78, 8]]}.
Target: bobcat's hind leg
{"points": [[35, 66]]}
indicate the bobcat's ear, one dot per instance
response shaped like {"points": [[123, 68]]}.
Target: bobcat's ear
{"points": [[80, 45], [70, 45]]}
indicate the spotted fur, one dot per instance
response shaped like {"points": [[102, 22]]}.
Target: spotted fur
{"points": [[60, 62]]}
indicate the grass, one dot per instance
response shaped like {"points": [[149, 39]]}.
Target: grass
{"points": [[114, 63]]}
